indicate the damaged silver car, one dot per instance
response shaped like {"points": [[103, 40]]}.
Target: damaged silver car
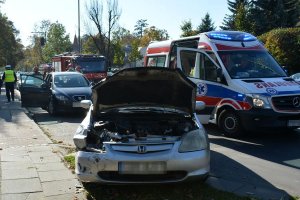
{"points": [[142, 128]]}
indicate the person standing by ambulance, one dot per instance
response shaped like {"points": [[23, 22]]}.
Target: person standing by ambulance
{"points": [[9, 77]]}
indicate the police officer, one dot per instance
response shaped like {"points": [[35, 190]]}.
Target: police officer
{"points": [[9, 77]]}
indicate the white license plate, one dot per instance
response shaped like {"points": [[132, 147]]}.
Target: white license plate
{"points": [[76, 104], [294, 123], [142, 167]]}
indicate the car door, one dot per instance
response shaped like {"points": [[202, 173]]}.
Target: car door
{"points": [[200, 68], [34, 91]]}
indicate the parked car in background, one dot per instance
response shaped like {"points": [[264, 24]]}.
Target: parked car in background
{"points": [[142, 128], [58, 92], [296, 76]]}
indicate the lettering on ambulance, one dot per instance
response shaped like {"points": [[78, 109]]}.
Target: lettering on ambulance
{"points": [[261, 85], [272, 91]]}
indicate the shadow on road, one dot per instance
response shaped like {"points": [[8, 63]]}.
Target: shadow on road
{"points": [[276, 146], [42, 116]]}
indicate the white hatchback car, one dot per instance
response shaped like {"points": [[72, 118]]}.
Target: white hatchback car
{"points": [[142, 128]]}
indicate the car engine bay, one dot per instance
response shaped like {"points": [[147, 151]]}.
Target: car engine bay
{"points": [[137, 129]]}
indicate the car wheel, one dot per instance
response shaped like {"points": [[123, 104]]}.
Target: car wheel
{"points": [[230, 123], [52, 107]]}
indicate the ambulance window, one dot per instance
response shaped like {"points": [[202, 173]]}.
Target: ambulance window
{"points": [[188, 59], [198, 65], [156, 61], [210, 69], [213, 56]]}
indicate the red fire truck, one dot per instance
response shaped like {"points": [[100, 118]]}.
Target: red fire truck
{"points": [[92, 66]]}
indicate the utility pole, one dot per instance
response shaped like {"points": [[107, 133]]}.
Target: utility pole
{"points": [[79, 39]]}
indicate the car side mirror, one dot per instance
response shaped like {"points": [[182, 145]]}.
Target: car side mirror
{"points": [[200, 105], [86, 104]]}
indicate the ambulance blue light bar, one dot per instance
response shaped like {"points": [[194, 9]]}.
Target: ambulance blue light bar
{"points": [[231, 36]]}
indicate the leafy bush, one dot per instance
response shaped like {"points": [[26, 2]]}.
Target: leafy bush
{"points": [[284, 45]]}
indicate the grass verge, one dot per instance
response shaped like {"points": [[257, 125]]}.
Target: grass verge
{"points": [[70, 160]]}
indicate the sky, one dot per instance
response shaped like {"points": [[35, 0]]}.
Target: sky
{"points": [[163, 14]]}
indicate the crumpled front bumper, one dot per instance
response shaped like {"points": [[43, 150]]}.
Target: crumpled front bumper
{"points": [[104, 167]]}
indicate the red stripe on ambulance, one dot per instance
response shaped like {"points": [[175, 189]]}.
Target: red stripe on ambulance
{"points": [[158, 50], [209, 101], [203, 45]]}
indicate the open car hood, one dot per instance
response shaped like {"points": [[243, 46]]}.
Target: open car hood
{"points": [[145, 86]]}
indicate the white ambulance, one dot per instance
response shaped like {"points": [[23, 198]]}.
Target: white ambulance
{"points": [[242, 85]]}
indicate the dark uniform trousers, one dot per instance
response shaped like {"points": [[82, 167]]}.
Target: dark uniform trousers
{"points": [[10, 93]]}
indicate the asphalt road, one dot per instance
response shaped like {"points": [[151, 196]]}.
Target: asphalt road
{"points": [[268, 160]]}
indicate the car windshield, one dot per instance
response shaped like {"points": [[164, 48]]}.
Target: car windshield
{"points": [[92, 66], [70, 81], [251, 64]]}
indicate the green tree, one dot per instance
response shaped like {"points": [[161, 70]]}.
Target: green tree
{"points": [[187, 29], [135, 54], [10, 45], [242, 20], [88, 45], [271, 14], [57, 41], [121, 38], [118, 53], [206, 24], [140, 26], [152, 33], [228, 21]]}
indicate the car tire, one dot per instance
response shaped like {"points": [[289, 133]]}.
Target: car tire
{"points": [[52, 107], [230, 123]]}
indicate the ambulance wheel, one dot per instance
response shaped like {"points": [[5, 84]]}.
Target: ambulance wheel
{"points": [[51, 107], [230, 123]]}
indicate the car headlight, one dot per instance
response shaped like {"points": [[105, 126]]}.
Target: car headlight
{"points": [[61, 97], [80, 137], [260, 101], [193, 141]]}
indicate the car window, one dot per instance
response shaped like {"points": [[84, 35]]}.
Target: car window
{"points": [[31, 81], [157, 61]]}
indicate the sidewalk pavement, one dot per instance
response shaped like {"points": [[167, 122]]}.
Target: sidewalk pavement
{"points": [[29, 168]]}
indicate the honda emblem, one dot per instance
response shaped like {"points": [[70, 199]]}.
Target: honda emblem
{"points": [[141, 149]]}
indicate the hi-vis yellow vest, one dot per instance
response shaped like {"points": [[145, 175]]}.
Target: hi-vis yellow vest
{"points": [[9, 76]]}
